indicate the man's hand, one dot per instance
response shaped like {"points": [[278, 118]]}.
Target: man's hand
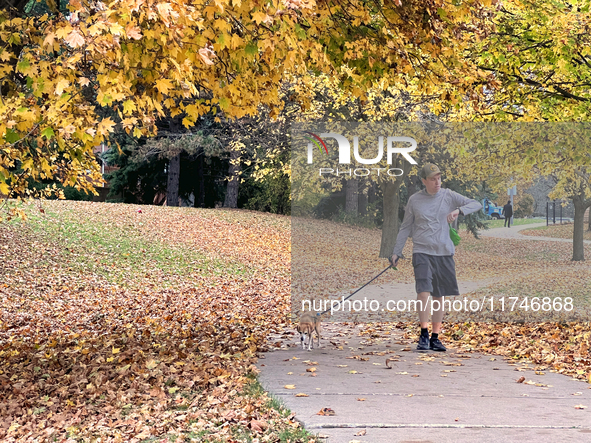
{"points": [[394, 260], [451, 217]]}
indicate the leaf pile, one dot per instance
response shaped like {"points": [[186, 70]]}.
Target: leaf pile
{"points": [[106, 333], [561, 347]]}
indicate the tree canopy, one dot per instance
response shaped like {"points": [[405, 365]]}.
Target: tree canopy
{"points": [[61, 68]]}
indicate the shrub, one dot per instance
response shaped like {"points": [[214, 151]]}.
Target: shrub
{"points": [[524, 207]]}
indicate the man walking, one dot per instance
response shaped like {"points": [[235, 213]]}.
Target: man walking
{"points": [[508, 213], [426, 217]]}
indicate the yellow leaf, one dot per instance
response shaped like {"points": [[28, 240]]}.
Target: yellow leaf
{"points": [[75, 39], [63, 32], [289, 386], [128, 107], [49, 39], [163, 85], [116, 29], [61, 85], [4, 189], [106, 126], [259, 17], [116, 350]]}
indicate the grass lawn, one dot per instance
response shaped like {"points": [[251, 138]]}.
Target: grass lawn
{"points": [[516, 222]]}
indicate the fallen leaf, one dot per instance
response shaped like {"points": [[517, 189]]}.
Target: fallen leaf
{"points": [[520, 380], [326, 411], [360, 433], [289, 386], [580, 407], [301, 394], [258, 425]]}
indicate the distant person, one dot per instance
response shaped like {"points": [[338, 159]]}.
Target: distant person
{"points": [[426, 217], [508, 213]]}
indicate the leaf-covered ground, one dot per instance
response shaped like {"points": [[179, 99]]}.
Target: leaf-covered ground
{"points": [[129, 323], [556, 231]]}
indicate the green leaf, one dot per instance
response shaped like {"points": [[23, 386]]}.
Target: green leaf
{"points": [[300, 32], [251, 48], [48, 133], [11, 136], [222, 40], [23, 65]]}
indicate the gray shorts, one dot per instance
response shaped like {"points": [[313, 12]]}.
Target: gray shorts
{"points": [[435, 274]]}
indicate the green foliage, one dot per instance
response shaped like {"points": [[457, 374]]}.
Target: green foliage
{"points": [[70, 193], [270, 194], [524, 207], [135, 181]]}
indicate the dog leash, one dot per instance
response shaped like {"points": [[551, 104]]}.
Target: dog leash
{"points": [[391, 266]]}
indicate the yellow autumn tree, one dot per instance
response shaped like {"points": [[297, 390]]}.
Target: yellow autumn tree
{"points": [[144, 59]]}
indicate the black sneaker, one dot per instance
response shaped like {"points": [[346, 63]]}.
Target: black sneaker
{"points": [[423, 343], [436, 345]]}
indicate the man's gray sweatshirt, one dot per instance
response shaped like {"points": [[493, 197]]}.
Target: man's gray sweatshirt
{"points": [[425, 220]]}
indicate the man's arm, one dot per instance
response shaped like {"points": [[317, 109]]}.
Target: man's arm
{"points": [[464, 204]]}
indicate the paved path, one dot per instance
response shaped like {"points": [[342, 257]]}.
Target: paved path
{"points": [[425, 397], [513, 232]]}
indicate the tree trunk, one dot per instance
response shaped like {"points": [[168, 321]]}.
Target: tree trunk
{"points": [[352, 197], [363, 200], [172, 187], [371, 193], [414, 185], [231, 200], [200, 188], [581, 206], [391, 188], [391, 224]]}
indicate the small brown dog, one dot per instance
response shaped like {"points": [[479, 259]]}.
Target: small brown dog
{"points": [[308, 325]]}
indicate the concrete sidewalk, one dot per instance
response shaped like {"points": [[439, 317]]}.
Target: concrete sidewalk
{"points": [[513, 232], [426, 397]]}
